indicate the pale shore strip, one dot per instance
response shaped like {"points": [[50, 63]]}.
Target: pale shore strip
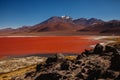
{"points": [[103, 41], [17, 36], [44, 36]]}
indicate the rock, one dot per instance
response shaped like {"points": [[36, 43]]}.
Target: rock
{"points": [[80, 56], [88, 52], [60, 57], [74, 66], [117, 46], [29, 74], [110, 49], [49, 76], [51, 59], [38, 67], [84, 70], [78, 62], [96, 64], [98, 49], [92, 66], [82, 75], [94, 74], [115, 63], [65, 66], [84, 54], [108, 54], [110, 74], [118, 77]]}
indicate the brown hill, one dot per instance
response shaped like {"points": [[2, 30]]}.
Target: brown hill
{"points": [[68, 25], [6, 30], [87, 22], [55, 24], [112, 27]]}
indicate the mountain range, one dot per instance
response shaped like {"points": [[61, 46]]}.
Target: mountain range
{"points": [[67, 24]]}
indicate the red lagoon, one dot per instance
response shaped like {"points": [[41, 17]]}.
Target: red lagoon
{"points": [[54, 44]]}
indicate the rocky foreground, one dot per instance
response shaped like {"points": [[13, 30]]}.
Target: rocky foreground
{"points": [[101, 63]]}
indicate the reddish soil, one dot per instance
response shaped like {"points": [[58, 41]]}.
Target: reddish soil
{"points": [[30, 45]]}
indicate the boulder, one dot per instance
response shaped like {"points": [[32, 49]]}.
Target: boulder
{"points": [[38, 67], [78, 62], [111, 49], [94, 74], [82, 75], [29, 74], [110, 74], [65, 65], [84, 54], [115, 63], [118, 77], [60, 57], [80, 56], [51, 59], [88, 52], [49, 76], [57, 57], [108, 54], [117, 46], [98, 49]]}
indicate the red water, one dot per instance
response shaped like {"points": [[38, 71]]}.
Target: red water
{"points": [[30, 45]]}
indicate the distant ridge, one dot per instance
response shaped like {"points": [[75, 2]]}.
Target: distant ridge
{"points": [[66, 23], [88, 22], [54, 24], [112, 27]]}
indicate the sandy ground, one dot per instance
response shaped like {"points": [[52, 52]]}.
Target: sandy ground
{"points": [[51, 33], [104, 39]]}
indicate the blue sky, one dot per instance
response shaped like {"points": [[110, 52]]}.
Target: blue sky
{"points": [[16, 13]]}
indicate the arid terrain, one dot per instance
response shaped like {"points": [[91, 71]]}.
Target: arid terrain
{"points": [[11, 67], [59, 39], [66, 26]]}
